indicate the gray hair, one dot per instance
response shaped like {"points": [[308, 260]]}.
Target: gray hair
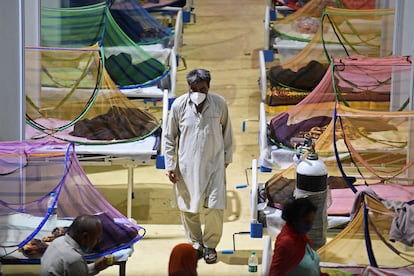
{"points": [[198, 75]]}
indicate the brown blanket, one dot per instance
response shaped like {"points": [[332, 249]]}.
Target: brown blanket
{"points": [[116, 124]]}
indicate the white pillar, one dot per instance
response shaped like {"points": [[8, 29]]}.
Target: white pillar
{"points": [[12, 104]]}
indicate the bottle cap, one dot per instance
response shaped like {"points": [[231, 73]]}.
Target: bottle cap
{"points": [[253, 252]]}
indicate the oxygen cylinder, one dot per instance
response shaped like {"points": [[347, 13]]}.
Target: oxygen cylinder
{"points": [[311, 176]]}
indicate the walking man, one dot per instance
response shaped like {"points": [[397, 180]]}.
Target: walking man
{"points": [[198, 148]]}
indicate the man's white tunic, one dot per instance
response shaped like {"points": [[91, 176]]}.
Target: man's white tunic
{"points": [[197, 146]]}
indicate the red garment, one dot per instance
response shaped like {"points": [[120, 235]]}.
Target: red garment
{"points": [[293, 4], [183, 261], [289, 251]]}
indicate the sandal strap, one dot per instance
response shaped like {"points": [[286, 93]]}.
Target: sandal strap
{"points": [[210, 255]]}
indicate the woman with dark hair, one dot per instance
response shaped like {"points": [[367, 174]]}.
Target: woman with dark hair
{"points": [[293, 253]]}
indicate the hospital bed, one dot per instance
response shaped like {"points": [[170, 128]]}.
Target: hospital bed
{"points": [[156, 91], [273, 157], [272, 9], [268, 17], [169, 55], [140, 54], [188, 7], [189, 11], [149, 5], [25, 225], [270, 155], [16, 257], [130, 155], [273, 222], [340, 211]]}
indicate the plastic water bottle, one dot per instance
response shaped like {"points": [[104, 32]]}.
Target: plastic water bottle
{"points": [[253, 262], [52, 221]]}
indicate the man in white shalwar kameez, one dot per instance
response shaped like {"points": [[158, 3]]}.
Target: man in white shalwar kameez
{"points": [[198, 145]]}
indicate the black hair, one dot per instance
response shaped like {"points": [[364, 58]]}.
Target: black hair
{"points": [[295, 209], [84, 223], [198, 75]]}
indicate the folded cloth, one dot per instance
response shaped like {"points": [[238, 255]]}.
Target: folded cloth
{"points": [[122, 255]]}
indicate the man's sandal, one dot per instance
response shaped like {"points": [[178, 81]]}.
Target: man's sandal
{"points": [[210, 255], [200, 252]]}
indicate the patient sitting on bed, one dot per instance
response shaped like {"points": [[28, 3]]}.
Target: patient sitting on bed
{"points": [[65, 254]]}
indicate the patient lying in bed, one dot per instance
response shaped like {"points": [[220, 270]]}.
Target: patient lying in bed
{"points": [[36, 247]]}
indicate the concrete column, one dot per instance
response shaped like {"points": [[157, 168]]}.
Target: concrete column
{"points": [[12, 103]]}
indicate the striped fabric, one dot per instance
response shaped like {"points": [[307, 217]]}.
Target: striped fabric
{"points": [[119, 28]]}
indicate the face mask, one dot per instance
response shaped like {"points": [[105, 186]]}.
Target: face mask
{"points": [[303, 229], [197, 97]]}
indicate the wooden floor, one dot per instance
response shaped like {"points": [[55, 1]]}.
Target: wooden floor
{"points": [[225, 39]]}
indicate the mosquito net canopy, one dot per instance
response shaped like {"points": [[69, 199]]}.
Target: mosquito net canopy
{"points": [[119, 28], [341, 33], [365, 144], [356, 85], [346, 32], [70, 96], [30, 172], [305, 22], [369, 239]]}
